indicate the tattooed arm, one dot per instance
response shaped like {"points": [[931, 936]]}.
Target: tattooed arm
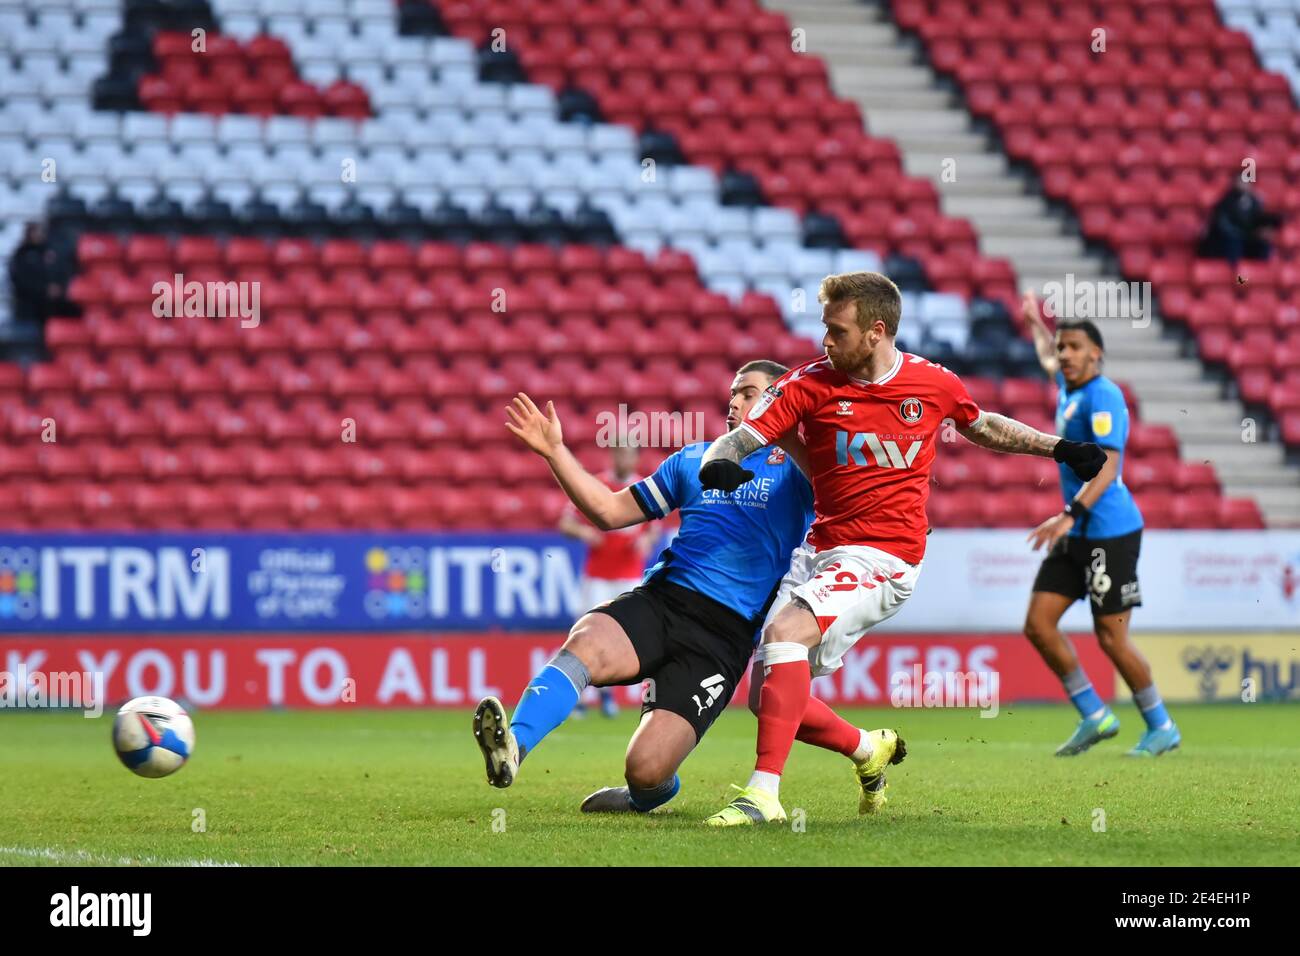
{"points": [[737, 445], [1000, 433], [720, 467]]}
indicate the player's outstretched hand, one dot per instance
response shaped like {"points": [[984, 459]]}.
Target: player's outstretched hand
{"points": [[724, 475], [539, 432], [1085, 458], [1050, 531], [1030, 312]]}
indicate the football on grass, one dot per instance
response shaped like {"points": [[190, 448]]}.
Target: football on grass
{"points": [[153, 736]]}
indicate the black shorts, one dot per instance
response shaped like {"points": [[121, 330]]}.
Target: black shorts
{"points": [[692, 649], [1104, 570]]}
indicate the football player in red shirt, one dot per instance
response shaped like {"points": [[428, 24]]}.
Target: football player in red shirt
{"points": [[870, 416], [615, 559]]}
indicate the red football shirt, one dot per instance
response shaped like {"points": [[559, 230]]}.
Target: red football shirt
{"points": [[870, 444], [616, 558]]}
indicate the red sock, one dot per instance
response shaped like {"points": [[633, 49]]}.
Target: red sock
{"points": [[781, 705], [822, 727]]}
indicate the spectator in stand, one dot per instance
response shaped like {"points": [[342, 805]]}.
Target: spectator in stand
{"points": [[1240, 227], [34, 276]]}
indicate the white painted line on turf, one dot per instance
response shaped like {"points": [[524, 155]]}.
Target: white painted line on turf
{"points": [[82, 856]]}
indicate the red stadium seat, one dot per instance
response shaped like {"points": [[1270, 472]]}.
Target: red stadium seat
{"points": [[957, 509], [52, 507], [1154, 473], [105, 506], [362, 508], [1239, 513], [316, 508], [1196, 510], [155, 506], [1197, 477]]}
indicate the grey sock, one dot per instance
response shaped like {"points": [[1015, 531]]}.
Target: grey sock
{"points": [[567, 663], [1076, 681], [1146, 698]]}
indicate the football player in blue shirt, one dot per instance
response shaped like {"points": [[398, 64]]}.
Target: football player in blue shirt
{"points": [[690, 628], [1092, 545]]}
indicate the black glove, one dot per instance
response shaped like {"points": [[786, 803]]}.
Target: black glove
{"points": [[724, 474], [1085, 458]]}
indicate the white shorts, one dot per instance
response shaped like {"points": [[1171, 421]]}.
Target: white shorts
{"points": [[597, 591], [850, 589]]}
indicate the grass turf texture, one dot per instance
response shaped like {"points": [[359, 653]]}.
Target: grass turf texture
{"points": [[407, 787]]}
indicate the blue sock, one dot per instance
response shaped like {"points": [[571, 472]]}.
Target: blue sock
{"points": [[548, 700], [643, 801], [1152, 707], [1085, 699]]}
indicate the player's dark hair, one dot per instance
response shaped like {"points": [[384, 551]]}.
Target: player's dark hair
{"points": [[766, 366], [1086, 327]]}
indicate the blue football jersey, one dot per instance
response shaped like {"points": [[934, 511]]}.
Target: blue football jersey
{"points": [[733, 548], [1097, 412]]}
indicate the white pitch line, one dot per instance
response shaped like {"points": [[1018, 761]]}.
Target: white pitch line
{"points": [[103, 859]]}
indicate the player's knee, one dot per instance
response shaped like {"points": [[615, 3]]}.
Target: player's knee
{"points": [[791, 630], [1032, 631], [1110, 637], [647, 771], [1037, 629], [584, 643]]}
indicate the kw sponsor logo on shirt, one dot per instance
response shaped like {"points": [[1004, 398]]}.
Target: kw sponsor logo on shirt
{"points": [[853, 449]]}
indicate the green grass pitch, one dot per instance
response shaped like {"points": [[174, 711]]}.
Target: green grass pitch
{"points": [[407, 787]]}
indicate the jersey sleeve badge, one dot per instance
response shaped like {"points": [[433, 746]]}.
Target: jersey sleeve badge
{"points": [[770, 395], [1101, 424]]}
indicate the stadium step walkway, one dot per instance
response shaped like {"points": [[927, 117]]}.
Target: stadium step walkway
{"points": [[901, 97]]}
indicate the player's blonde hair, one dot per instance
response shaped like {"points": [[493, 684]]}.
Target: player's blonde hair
{"points": [[876, 297]]}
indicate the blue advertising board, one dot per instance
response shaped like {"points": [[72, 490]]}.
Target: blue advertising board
{"points": [[204, 582]]}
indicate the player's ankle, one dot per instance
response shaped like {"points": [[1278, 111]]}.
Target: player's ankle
{"points": [[864, 751], [767, 782]]}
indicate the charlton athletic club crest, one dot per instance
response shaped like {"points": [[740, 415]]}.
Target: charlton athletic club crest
{"points": [[911, 410]]}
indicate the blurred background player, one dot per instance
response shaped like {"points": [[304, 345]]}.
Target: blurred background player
{"points": [[615, 559], [1093, 545]]}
